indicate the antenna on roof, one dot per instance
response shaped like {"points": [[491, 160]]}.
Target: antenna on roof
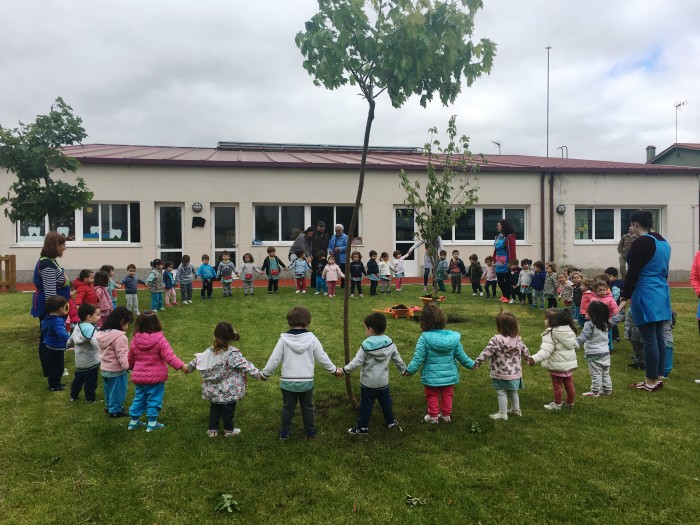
{"points": [[678, 105], [497, 143]]}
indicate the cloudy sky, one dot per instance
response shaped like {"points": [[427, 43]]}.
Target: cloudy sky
{"points": [[192, 73]]}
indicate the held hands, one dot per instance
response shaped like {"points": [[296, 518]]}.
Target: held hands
{"points": [[339, 372], [185, 369], [531, 361], [476, 366]]}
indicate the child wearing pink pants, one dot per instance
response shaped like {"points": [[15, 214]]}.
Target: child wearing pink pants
{"points": [[331, 273]]}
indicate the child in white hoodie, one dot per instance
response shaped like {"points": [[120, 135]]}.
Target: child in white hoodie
{"points": [[87, 352], [558, 355], [298, 350]]}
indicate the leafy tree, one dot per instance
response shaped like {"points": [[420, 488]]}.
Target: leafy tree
{"points": [[33, 153], [449, 192], [401, 47]]}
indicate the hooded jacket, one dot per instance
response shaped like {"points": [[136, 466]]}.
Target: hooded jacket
{"points": [[148, 355], [84, 293], [436, 351], [114, 350], [53, 332], [87, 350], [594, 340], [104, 300], [558, 349], [505, 355], [374, 356], [298, 352], [223, 374]]}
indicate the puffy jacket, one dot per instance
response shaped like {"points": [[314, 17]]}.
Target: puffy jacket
{"points": [[53, 332], [695, 274], [223, 374], [114, 350], [332, 272], [84, 293], [148, 355], [87, 349], [436, 351], [505, 355], [374, 356], [104, 300], [608, 299], [558, 349]]}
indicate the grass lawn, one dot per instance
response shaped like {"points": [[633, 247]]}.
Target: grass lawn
{"points": [[630, 458]]}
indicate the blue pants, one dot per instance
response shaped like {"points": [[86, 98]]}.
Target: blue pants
{"points": [[149, 399], [368, 395], [115, 392], [87, 379], [321, 285], [652, 336], [156, 301], [186, 291], [537, 299], [669, 360]]}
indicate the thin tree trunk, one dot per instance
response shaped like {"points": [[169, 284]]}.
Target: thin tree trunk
{"points": [[353, 224]]}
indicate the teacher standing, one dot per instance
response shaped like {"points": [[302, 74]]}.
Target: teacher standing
{"points": [[646, 287], [503, 252]]}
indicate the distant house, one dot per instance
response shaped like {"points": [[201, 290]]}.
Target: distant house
{"points": [[166, 201], [681, 154]]}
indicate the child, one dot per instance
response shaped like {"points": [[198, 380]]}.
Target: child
{"points": [[602, 293], [456, 269], [397, 267], [87, 353], [668, 338], [594, 339], [297, 350], [385, 272], [272, 266], [299, 267], [155, 285], [321, 263], [550, 284], [55, 336], [246, 271], [131, 287], [332, 273], [374, 356], [565, 291], [436, 351], [505, 350], [373, 272], [538, 278], [112, 286], [184, 276], [104, 298], [576, 280], [223, 369], [616, 284], [85, 288], [558, 355], [207, 273], [587, 295], [169, 284], [357, 270], [442, 270], [114, 362], [490, 277], [149, 355], [514, 266], [475, 272], [525, 282], [225, 273]]}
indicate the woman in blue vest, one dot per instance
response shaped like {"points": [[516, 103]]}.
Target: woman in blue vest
{"points": [[503, 252], [646, 288]]}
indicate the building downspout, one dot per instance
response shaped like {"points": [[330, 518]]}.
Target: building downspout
{"points": [[551, 216], [542, 216]]}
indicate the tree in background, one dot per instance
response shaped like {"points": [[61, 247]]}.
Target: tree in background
{"points": [[401, 47], [449, 192], [33, 153]]}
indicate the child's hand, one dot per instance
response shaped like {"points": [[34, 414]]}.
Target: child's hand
{"points": [[405, 373], [476, 366], [531, 361], [185, 369], [339, 372], [263, 377]]}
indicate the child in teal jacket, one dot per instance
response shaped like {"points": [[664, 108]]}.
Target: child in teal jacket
{"points": [[436, 352]]}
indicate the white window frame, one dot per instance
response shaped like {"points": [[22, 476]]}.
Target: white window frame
{"points": [[307, 220], [479, 226], [617, 223]]}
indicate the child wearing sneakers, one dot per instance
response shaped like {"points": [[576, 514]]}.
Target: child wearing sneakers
{"points": [[374, 356], [373, 272], [506, 351], [169, 284], [558, 355], [489, 276], [332, 274], [55, 336], [246, 272], [436, 352], [357, 270], [297, 350], [320, 262], [155, 285], [225, 272], [441, 270], [299, 267], [149, 355], [538, 278], [87, 353], [594, 338], [184, 276], [385, 272], [525, 282], [456, 270], [131, 287], [114, 362], [223, 369], [207, 273], [475, 272], [273, 266]]}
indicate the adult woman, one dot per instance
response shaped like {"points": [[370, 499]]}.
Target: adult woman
{"points": [[646, 286], [50, 280], [503, 252]]}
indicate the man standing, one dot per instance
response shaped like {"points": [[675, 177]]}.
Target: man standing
{"points": [[319, 242], [623, 247], [338, 246]]}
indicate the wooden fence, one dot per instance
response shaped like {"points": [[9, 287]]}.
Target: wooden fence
{"points": [[8, 273]]}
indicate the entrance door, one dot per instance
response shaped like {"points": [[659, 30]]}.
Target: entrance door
{"points": [[169, 226], [404, 238], [224, 232]]}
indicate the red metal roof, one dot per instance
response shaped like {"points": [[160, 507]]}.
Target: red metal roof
{"points": [[300, 156]]}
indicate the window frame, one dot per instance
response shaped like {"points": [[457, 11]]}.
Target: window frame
{"points": [[330, 223], [617, 223], [479, 239]]}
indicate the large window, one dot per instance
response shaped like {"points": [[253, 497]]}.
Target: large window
{"points": [[605, 224], [626, 213], [479, 224], [280, 223]]}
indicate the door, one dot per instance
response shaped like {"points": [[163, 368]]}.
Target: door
{"points": [[224, 235], [169, 226], [404, 238]]}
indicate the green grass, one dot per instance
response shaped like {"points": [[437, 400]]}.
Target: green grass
{"points": [[631, 458]]}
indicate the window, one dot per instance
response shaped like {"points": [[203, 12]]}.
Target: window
{"points": [[625, 215], [605, 224], [479, 224], [275, 223]]}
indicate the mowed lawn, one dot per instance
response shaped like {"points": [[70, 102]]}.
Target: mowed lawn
{"points": [[630, 458]]}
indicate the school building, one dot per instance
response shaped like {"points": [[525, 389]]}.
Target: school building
{"points": [[166, 201]]}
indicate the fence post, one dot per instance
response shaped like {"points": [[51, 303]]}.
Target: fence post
{"points": [[8, 273]]}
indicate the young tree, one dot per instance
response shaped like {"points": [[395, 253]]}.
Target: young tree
{"points": [[32, 152], [401, 47], [449, 192]]}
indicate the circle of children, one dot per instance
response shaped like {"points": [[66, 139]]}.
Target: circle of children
{"points": [[101, 346]]}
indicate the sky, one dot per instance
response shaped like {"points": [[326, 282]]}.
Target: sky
{"points": [[183, 73]]}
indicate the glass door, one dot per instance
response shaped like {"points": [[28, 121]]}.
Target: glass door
{"points": [[404, 238], [169, 226], [224, 232]]}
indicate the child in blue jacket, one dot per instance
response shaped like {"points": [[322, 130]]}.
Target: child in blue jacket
{"points": [[207, 274], [55, 336]]}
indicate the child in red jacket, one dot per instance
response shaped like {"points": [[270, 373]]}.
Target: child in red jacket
{"points": [[149, 355], [85, 288]]}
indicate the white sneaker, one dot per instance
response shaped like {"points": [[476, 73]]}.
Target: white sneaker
{"points": [[298, 291], [511, 301], [515, 413], [697, 381], [317, 293], [65, 372], [363, 296], [552, 406], [474, 294], [325, 293], [481, 294], [303, 291], [231, 433], [499, 416], [445, 419], [352, 295], [430, 420]]}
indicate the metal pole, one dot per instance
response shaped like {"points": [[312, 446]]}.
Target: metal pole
{"points": [[548, 48]]}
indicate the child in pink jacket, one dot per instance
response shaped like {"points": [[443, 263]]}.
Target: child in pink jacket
{"points": [[331, 273], [104, 296], [114, 361], [149, 355]]}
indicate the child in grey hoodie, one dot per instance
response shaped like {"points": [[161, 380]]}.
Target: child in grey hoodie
{"points": [[298, 350], [594, 338], [87, 353], [374, 356]]}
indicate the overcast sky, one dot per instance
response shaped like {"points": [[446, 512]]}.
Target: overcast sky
{"points": [[192, 73]]}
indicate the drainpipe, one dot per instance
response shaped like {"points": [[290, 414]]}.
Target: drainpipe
{"points": [[551, 216], [542, 239]]}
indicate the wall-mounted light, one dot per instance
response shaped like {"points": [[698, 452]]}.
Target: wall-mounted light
{"points": [[196, 207], [561, 209]]}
